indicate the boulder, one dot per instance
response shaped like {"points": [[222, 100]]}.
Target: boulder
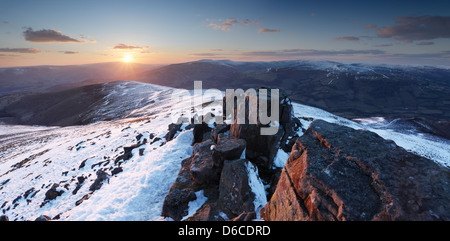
{"points": [[101, 177], [208, 157], [229, 147], [176, 203], [203, 167], [338, 173], [235, 195], [53, 192], [43, 218], [173, 129], [4, 218]]}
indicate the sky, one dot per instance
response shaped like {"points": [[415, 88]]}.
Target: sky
{"points": [[62, 32]]}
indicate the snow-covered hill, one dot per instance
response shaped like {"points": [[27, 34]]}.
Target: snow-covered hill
{"points": [[123, 168]]}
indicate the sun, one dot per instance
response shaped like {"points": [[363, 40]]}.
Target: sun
{"points": [[127, 59]]}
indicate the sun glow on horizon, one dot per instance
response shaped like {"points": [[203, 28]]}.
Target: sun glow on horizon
{"points": [[127, 59]]}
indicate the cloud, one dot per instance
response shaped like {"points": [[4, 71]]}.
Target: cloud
{"points": [[5, 22], [229, 22], [69, 52], [268, 30], [382, 45], [127, 47], [48, 36], [226, 25], [425, 43], [86, 39], [409, 29], [347, 38], [8, 55], [21, 50], [249, 22]]}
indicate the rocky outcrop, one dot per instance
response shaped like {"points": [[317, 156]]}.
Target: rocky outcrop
{"points": [[201, 171], [218, 166], [261, 149], [338, 173]]}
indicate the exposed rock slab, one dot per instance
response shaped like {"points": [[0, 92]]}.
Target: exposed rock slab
{"points": [[338, 173]]}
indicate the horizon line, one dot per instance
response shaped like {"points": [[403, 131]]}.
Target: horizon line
{"points": [[238, 61]]}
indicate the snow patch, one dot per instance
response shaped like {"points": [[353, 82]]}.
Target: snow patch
{"points": [[196, 204], [257, 187], [281, 158]]}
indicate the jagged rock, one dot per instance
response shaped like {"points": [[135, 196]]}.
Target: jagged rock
{"points": [[116, 170], [127, 155], [208, 158], [128, 151], [101, 177], [43, 218], [261, 149], [81, 179], [229, 147], [219, 129], [201, 171], [338, 173], [155, 140], [203, 168], [53, 193], [235, 195], [85, 197], [173, 129], [176, 203], [79, 184]]}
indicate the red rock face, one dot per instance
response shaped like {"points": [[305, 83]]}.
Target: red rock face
{"points": [[337, 173]]}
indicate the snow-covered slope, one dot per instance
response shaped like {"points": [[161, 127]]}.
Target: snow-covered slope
{"points": [[34, 158]]}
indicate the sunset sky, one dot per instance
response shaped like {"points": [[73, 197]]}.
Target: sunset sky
{"points": [[58, 32]]}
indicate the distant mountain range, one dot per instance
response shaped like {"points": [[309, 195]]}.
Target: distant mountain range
{"points": [[419, 94], [37, 79]]}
